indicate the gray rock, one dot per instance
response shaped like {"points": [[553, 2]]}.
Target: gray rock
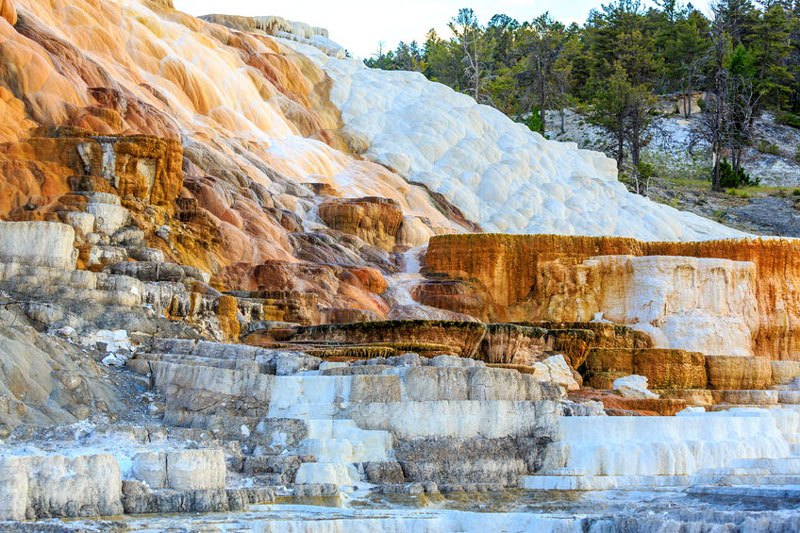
{"points": [[384, 472], [455, 362], [288, 363]]}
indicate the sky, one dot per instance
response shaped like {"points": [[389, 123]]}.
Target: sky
{"points": [[360, 25]]}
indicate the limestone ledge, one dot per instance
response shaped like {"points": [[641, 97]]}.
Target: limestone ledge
{"points": [[44, 486], [38, 244]]}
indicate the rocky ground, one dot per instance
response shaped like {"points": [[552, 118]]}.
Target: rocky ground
{"points": [[680, 159]]}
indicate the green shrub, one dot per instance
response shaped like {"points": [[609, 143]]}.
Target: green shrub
{"points": [[788, 119], [768, 148], [534, 122], [731, 179], [796, 192], [797, 155], [646, 170]]}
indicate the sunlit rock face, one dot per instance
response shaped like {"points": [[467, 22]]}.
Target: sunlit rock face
{"points": [[499, 173], [719, 297], [8, 12]]}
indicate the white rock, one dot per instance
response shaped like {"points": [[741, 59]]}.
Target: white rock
{"points": [[696, 304], [115, 340], [555, 369], [151, 468], [196, 469], [498, 172], [38, 244], [60, 486], [115, 359], [108, 217], [633, 387]]}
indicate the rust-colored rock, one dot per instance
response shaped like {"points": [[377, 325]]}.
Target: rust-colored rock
{"points": [[459, 295], [371, 279], [542, 277], [376, 220], [671, 369], [8, 11], [738, 373], [616, 405], [228, 315]]}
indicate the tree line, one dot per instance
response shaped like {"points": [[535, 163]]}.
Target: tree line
{"points": [[743, 56]]}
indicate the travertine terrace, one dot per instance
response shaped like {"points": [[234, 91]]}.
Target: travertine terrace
{"points": [[241, 273]]}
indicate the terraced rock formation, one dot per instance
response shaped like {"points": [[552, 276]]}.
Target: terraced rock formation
{"points": [[239, 271]]}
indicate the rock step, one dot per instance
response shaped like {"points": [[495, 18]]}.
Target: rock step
{"points": [[375, 447], [586, 483], [206, 349], [777, 491], [745, 397], [98, 197], [196, 360], [753, 480], [789, 397], [778, 466]]}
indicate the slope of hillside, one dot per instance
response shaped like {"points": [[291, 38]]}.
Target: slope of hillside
{"points": [[496, 171]]}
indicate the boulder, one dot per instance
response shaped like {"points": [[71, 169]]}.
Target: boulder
{"points": [[555, 370], [56, 486], [196, 469], [633, 387]]}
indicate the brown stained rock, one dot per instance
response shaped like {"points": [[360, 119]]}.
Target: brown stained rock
{"points": [[671, 369], [602, 363], [334, 287], [573, 343], [375, 220], [541, 277], [693, 397], [727, 372], [458, 295], [616, 405], [346, 315], [664, 369], [513, 344], [785, 372], [460, 338]]}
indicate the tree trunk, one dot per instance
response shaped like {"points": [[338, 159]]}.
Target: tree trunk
{"points": [[562, 120], [542, 96]]}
